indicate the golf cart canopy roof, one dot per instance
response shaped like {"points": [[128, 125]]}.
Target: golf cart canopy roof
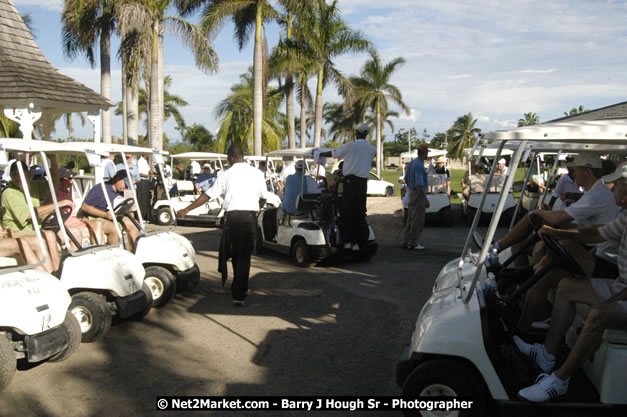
{"points": [[260, 158], [593, 131], [554, 147], [116, 148], [199, 156], [298, 152], [22, 145]]}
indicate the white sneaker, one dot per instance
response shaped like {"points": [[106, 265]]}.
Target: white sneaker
{"points": [[348, 245], [536, 353], [356, 247], [542, 324], [418, 247], [547, 387]]}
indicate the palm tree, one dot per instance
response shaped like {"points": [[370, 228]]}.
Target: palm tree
{"points": [[68, 120], [373, 89], [342, 120], [236, 114], [576, 110], [529, 119], [145, 22], [326, 36], [171, 105], [463, 134], [201, 139], [9, 128], [86, 24]]}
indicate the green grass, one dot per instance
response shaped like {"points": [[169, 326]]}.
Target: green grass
{"points": [[456, 177]]}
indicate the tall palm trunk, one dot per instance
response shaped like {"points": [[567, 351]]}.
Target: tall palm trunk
{"points": [[289, 85], [124, 106], [132, 112], [303, 116], [318, 126], [258, 84], [105, 82], [161, 84], [154, 132], [379, 144]]}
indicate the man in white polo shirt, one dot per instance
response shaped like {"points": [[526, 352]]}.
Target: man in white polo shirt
{"points": [[356, 171], [244, 191], [607, 299]]}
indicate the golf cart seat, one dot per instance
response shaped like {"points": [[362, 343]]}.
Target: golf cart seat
{"points": [[307, 202], [9, 261], [477, 182], [185, 187], [438, 183], [614, 336]]}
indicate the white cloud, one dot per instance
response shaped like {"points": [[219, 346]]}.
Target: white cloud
{"points": [[47, 4], [538, 71], [455, 77], [413, 116]]}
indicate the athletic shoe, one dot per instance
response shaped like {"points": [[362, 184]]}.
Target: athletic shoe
{"points": [[347, 245], [356, 247], [418, 247], [238, 303], [542, 324], [547, 387], [536, 353]]}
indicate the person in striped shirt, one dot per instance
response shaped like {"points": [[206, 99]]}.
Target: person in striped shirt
{"points": [[607, 299]]}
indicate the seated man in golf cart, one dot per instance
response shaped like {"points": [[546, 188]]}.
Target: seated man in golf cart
{"points": [[293, 184], [438, 170], [595, 207], [95, 207], [204, 180], [477, 186], [607, 299], [27, 247]]}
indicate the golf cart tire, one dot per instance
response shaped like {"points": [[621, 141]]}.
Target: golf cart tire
{"points": [[93, 315], [446, 377], [446, 216], [8, 362], [301, 255], [161, 283], [389, 192], [259, 243], [142, 314], [73, 330], [164, 216]]}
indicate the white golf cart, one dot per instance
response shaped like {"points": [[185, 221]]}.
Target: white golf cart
{"points": [[209, 213], [376, 185], [479, 187], [439, 202], [461, 345], [312, 237], [103, 280], [35, 323], [168, 258], [530, 200]]}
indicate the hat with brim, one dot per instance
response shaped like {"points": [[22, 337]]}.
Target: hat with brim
{"points": [[440, 159], [299, 164], [620, 173], [206, 166], [362, 128], [66, 173], [586, 160], [120, 175], [423, 148], [502, 161]]}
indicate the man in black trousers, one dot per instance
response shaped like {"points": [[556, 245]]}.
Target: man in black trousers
{"points": [[356, 171], [244, 191]]}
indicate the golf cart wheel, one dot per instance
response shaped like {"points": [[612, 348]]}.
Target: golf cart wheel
{"points": [[74, 338], [448, 378], [259, 242], [164, 217], [145, 311], [93, 315], [446, 216], [389, 191], [161, 283], [300, 253], [7, 362]]}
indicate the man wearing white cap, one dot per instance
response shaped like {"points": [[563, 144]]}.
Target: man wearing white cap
{"points": [[356, 171], [501, 167], [607, 299], [204, 180], [596, 206]]}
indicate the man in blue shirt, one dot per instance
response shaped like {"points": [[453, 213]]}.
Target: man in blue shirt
{"points": [[417, 183], [292, 190]]}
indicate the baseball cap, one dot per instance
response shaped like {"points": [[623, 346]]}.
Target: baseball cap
{"points": [[66, 173], [621, 172], [121, 174], [502, 161], [299, 164], [587, 160], [206, 166], [423, 148], [362, 128]]}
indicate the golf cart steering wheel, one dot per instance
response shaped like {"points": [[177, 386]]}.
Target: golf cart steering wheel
{"points": [[51, 222], [124, 208], [556, 248], [536, 221]]}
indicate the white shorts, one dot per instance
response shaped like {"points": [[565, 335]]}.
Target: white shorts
{"points": [[605, 288]]}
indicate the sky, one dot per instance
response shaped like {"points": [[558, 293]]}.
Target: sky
{"points": [[495, 59]]}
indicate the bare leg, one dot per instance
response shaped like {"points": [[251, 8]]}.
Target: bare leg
{"points": [[569, 292], [32, 256], [521, 230], [111, 232], [132, 231], [95, 231], [53, 250], [600, 317]]}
